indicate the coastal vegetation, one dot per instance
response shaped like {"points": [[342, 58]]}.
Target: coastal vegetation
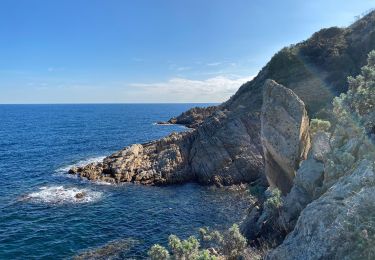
{"points": [[210, 245]]}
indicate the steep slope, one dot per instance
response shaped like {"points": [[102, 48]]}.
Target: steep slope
{"points": [[339, 223]]}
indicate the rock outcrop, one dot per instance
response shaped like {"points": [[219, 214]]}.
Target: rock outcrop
{"points": [[194, 116], [336, 225], [159, 162], [308, 183], [339, 223], [285, 134], [220, 152]]}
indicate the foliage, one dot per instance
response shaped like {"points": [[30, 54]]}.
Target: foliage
{"points": [[353, 133], [317, 125], [234, 243], [274, 201], [158, 252], [185, 249], [352, 143], [215, 245]]}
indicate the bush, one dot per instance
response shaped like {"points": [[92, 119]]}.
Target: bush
{"points": [[158, 252], [215, 245], [234, 243], [354, 112], [274, 201], [317, 125], [186, 249]]}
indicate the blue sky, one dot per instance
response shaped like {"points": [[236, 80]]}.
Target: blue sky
{"points": [[110, 51]]}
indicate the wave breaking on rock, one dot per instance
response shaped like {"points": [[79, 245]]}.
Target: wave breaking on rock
{"points": [[62, 195]]}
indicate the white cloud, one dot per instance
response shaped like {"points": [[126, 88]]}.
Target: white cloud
{"points": [[215, 89], [214, 64], [183, 68]]}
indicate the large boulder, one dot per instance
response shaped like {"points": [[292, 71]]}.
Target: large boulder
{"points": [[285, 134]]}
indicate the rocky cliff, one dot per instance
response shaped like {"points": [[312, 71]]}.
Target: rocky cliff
{"points": [[226, 147], [332, 197]]}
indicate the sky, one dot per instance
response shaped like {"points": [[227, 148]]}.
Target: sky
{"points": [[149, 51]]}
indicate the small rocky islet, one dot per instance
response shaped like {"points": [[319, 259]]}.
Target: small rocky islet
{"points": [[264, 134]]}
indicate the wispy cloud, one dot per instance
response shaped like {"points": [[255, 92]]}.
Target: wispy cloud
{"points": [[214, 64], [214, 89], [183, 68]]}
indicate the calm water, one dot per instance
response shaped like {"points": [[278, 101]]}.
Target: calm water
{"points": [[41, 219]]}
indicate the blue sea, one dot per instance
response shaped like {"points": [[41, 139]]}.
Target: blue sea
{"points": [[40, 218]]}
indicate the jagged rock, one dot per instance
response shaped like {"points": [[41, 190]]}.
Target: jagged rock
{"points": [[307, 185], [320, 146], [308, 182], [194, 116], [334, 225], [227, 150], [220, 152], [159, 162], [285, 134]]}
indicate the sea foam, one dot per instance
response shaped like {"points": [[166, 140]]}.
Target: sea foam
{"points": [[80, 163], [61, 195]]}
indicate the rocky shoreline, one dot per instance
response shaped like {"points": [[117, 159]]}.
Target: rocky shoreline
{"points": [[262, 134]]}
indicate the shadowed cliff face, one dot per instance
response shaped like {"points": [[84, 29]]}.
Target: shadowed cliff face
{"points": [[225, 147]]}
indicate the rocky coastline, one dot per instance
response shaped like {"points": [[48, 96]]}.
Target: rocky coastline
{"points": [[263, 134]]}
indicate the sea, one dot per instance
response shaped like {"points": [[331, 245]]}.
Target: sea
{"points": [[40, 217]]}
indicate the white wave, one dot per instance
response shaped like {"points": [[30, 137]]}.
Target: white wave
{"points": [[60, 195], [81, 163]]}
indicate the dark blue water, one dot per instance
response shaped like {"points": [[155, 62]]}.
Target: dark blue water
{"points": [[41, 219]]}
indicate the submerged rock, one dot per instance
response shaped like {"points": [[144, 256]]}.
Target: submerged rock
{"points": [[113, 250]]}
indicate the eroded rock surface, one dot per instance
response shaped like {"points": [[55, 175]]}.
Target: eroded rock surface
{"points": [[285, 134], [334, 226], [224, 150], [159, 162], [194, 116]]}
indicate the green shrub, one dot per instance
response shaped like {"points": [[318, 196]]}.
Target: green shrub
{"points": [[158, 252], [274, 201], [185, 249], [227, 245], [355, 116], [205, 255], [317, 125], [234, 243]]}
